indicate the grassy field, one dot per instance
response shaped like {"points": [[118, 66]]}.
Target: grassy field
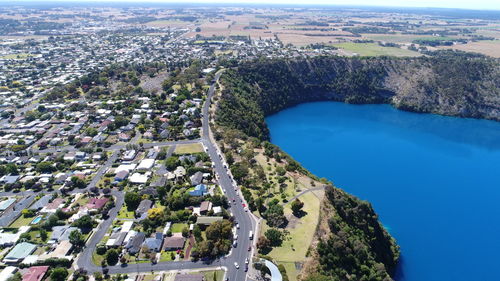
{"points": [[301, 230], [21, 56], [178, 227], [188, 148], [373, 49], [486, 47], [125, 214], [21, 221], [402, 38], [97, 259], [166, 256], [209, 275]]}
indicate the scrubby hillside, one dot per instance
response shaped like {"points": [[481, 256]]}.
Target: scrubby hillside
{"points": [[351, 243]]}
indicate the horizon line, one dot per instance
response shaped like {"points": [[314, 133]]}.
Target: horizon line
{"points": [[231, 3]]}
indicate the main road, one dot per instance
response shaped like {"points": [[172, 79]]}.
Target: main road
{"points": [[244, 218]]}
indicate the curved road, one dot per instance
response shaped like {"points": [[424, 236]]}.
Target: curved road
{"points": [[247, 224]]}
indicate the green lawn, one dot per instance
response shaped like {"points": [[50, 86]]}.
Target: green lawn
{"points": [[35, 236], [97, 259], [178, 227], [188, 148], [209, 275], [373, 49], [166, 256], [125, 214], [21, 221]]}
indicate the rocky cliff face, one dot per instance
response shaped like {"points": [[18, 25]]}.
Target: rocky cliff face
{"points": [[450, 83]]}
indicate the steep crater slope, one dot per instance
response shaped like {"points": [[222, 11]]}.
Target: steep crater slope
{"points": [[350, 243]]}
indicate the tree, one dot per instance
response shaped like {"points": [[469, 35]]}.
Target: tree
{"points": [[43, 234], [77, 182], [197, 233], [98, 276], [59, 274], [172, 162], [274, 215], [155, 214], [263, 244], [297, 206], [239, 171], [185, 232], [76, 238], [274, 236], [45, 167], [27, 213], [84, 223], [132, 199], [112, 256]]}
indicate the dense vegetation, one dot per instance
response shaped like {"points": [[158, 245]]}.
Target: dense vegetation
{"points": [[448, 83], [357, 246]]}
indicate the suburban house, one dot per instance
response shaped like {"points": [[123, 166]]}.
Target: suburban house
{"points": [[134, 244], [19, 252], [174, 242], [205, 221], [97, 203], [145, 165], [121, 175], [35, 273], [6, 204], [143, 207], [129, 155], [199, 190], [196, 178], [154, 243], [116, 239], [205, 207], [61, 233]]}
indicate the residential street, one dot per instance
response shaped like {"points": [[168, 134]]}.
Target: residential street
{"points": [[247, 224]]}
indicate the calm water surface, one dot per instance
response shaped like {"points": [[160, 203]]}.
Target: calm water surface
{"points": [[434, 180]]}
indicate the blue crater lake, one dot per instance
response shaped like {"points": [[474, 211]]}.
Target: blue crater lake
{"points": [[433, 180]]}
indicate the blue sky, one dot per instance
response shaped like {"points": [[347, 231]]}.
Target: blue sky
{"points": [[464, 4]]}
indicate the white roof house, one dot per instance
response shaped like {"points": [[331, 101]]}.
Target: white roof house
{"points": [[125, 167], [139, 178], [7, 273], [146, 165]]}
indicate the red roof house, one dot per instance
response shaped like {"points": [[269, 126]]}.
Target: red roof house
{"points": [[35, 273], [97, 203]]}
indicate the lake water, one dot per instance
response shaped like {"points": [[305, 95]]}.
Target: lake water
{"points": [[433, 180]]}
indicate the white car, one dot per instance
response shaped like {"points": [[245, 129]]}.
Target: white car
{"points": [[236, 237], [236, 265], [237, 226], [246, 261]]}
